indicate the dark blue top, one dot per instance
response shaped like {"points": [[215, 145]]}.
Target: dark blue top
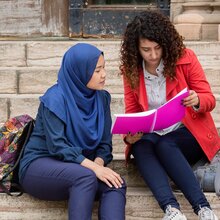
{"points": [[49, 139]]}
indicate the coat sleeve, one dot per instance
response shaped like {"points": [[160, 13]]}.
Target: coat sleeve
{"points": [[197, 81]]}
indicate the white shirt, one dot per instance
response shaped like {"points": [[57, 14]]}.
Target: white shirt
{"points": [[156, 93]]}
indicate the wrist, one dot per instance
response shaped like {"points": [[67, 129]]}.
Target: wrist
{"points": [[99, 161], [90, 164]]}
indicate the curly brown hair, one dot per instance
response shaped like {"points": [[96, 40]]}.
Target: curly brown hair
{"points": [[154, 26]]}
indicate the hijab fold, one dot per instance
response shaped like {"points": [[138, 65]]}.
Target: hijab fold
{"points": [[80, 108]]}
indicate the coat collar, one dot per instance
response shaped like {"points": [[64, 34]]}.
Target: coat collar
{"points": [[185, 59]]}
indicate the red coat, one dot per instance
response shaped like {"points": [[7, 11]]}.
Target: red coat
{"points": [[190, 74]]}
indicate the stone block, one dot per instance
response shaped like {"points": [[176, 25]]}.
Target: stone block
{"points": [[3, 109], [37, 81], [27, 207], [46, 54], [209, 61], [22, 104], [50, 53], [216, 111], [219, 32], [12, 54], [128, 171], [110, 49], [192, 15], [189, 31], [117, 104], [210, 31], [205, 48], [114, 82], [118, 144], [213, 77], [8, 81]]}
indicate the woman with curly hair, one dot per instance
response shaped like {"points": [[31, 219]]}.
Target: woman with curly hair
{"points": [[155, 66]]}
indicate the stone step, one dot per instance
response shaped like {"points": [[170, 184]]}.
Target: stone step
{"points": [[140, 205], [128, 171], [35, 80], [49, 53]]}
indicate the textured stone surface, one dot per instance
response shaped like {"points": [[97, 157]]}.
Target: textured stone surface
{"points": [[195, 31], [12, 54], [36, 80], [210, 31], [140, 206], [3, 109], [8, 81], [34, 18], [23, 105]]}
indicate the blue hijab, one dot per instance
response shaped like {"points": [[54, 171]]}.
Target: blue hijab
{"points": [[80, 108]]}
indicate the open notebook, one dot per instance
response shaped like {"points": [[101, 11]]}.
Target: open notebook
{"points": [[153, 120]]}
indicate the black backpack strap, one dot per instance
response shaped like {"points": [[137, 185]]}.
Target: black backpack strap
{"points": [[15, 186], [23, 141]]}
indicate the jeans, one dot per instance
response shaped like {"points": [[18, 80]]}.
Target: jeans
{"points": [[159, 157], [50, 179]]}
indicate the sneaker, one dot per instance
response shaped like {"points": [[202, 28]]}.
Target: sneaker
{"points": [[172, 213], [206, 214]]}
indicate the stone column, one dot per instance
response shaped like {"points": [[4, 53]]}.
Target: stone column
{"points": [[197, 19]]}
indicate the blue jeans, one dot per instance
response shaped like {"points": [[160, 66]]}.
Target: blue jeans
{"points": [[50, 179], [158, 157]]}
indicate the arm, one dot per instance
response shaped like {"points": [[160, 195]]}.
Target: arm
{"points": [[197, 82], [105, 174], [59, 147], [56, 141]]}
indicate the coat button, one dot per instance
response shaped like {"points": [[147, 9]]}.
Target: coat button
{"points": [[194, 116], [210, 136]]}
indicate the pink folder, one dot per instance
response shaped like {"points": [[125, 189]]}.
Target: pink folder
{"points": [[166, 115]]}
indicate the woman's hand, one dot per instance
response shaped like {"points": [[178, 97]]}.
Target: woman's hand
{"points": [[108, 176], [191, 100], [105, 174], [131, 139]]}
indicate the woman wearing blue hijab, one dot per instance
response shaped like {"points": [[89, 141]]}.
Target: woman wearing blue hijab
{"points": [[71, 144]]}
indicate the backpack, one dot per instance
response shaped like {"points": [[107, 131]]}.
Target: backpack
{"points": [[208, 174], [14, 135]]}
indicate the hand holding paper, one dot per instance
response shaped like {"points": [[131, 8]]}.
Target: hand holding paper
{"points": [[166, 115]]}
